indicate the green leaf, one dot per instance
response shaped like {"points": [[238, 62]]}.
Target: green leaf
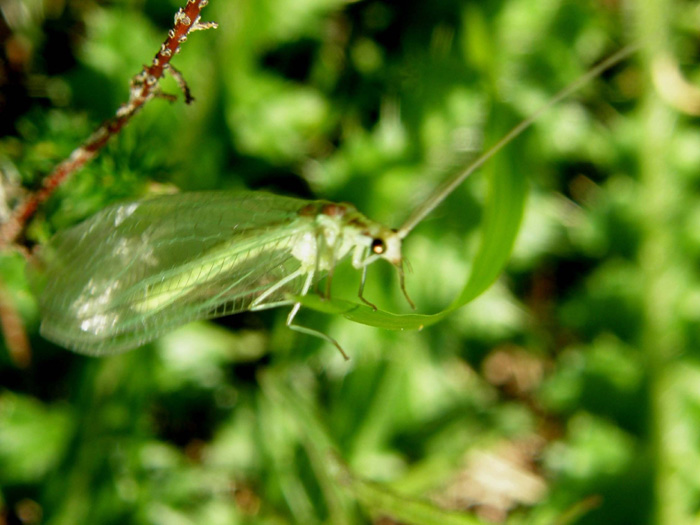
{"points": [[503, 212]]}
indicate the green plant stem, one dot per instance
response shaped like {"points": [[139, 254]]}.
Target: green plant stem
{"points": [[661, 201]]}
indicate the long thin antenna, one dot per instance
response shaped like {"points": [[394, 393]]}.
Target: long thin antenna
{"points": [[442, 191]]}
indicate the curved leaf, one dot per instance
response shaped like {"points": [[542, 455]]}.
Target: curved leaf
{"points": [[503, 213]]}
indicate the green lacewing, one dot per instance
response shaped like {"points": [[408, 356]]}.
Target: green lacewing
{"points": [[137, 270]]}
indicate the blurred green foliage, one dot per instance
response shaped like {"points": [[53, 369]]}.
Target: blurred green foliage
{"points": [[565, 393]]}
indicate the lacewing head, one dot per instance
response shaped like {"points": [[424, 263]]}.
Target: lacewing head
{"points": [[374, 239], [385, 244]]}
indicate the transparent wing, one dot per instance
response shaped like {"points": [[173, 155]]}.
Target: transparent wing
{"points": [[137, 270]]}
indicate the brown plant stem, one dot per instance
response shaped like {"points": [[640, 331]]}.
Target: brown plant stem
{"points": [[144, 86], [13, 330]]}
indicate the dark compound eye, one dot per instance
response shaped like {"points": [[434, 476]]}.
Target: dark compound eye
{"points": [[378, 246]]}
